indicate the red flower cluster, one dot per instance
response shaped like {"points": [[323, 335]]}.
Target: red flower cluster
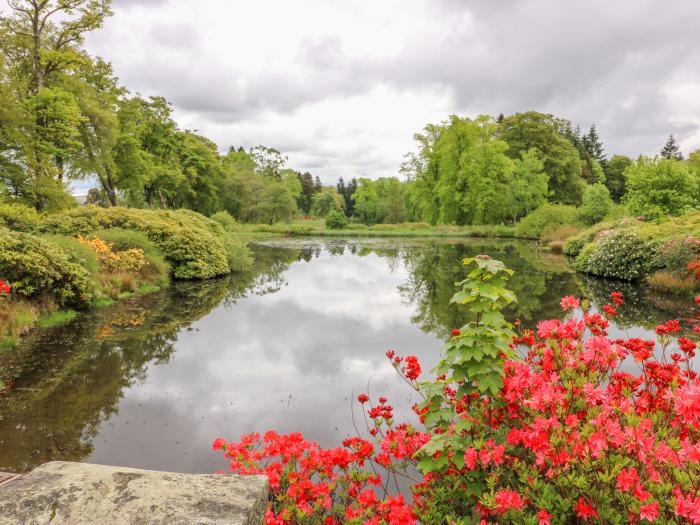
{"points": [[412, 369], [5, 288]]}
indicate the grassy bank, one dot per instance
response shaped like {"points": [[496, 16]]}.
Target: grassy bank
{"points": [[57, 265], [318, 228]]}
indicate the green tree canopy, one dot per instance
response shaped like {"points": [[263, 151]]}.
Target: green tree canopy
{"points": [[561, 159], [660, 186]]}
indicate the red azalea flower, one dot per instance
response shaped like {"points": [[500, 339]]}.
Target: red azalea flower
{"points": [[617, 298], [650, 511], [610, 310], [569, 303], [363, 398], [456, 332], [585, 510]]}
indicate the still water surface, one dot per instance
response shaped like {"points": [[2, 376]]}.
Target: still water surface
{"points": [[150, 382]]}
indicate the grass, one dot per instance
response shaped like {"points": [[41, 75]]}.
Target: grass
{"points": [[419, 229], [668, 282], [56, 319]]}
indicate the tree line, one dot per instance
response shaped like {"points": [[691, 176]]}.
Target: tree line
{"points": [[65, 117]]}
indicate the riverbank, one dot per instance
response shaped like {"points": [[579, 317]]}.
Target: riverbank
{"points": [[318, 228], [661, 253], [55, 265]]}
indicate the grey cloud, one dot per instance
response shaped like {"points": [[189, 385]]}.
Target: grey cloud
{"points": [[592, 62]]}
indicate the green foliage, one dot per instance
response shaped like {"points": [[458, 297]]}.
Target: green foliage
{"points": [[596, 203], [228, 223], [238, 255], [671, 150], [76, 252], [56, 319], [658, 187], [546, 219], [18, 217], [191, 243], [120, 240], [674, 256], [336, 220], [472, 360], [37, 268], [325, 201], [620, 254], [615, 176], [574, 244], [562, 162], [464, 175]]}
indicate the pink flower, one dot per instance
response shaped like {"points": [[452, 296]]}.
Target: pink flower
{"points": [[544, 517], [585, 510], [508, 499], [569, 303], [650, 511]]}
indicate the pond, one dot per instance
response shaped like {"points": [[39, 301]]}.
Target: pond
{"points": [[150, 382]]}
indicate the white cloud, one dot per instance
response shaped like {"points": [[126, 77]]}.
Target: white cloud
{"points": [[342, 86]]}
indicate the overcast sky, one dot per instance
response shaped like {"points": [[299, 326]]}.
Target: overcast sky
{"points": [[342, 86]]}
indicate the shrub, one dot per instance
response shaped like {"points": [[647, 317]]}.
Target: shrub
{"points": [[300, 229], [156, 268], [76, 251], [190, 242], [336, 220], [620, 254], [545, 219], [573, 245], [228, 223], [18, 217], [37, 267], [237, 254], [596, 204], [130, 260], [674, 256], [561, 234]]}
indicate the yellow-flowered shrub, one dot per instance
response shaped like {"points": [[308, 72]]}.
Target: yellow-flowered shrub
{"points": [[129, 260]]}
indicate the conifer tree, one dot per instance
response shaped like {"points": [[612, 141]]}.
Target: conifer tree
{"points": [[671, 149]]}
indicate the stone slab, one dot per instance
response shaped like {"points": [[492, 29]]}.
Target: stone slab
{"points": [[6, 476], [80, 493]]}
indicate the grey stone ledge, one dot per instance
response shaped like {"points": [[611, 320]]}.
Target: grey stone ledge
{"points": [[80, 493]]}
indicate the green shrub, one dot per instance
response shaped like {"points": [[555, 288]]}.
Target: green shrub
{"points": [[336, 220], [37, 268], [237, 253], [545, 219], [157, 268], [620, 254], [560, 234], [228, 223], [300, 229], [18, 217], [596, 204], [574, 244], [190, 242], [675, 255], [76, 251]]}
